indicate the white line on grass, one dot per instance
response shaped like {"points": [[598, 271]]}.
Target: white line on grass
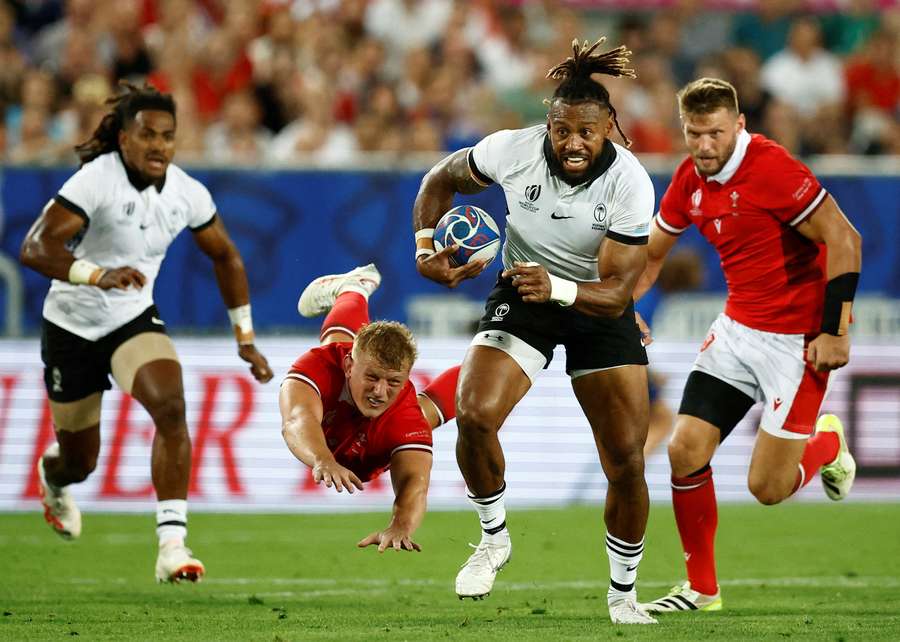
{"points": [[353, 585]]}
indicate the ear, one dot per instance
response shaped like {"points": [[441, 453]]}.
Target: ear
{"points": [[608, 127], [742, 122], [122, 136], [347, 364]]}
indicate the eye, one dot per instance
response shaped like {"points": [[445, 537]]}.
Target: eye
{"points": [[562, 131], [586, 132]]}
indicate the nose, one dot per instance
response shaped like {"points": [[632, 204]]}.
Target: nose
{"points": [[380, 388], [574, 143]]}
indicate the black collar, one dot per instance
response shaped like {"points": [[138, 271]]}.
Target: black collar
{"points": [[139, 182], [606, 158]]}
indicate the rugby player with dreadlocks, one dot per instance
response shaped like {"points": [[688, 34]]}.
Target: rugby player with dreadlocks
{"points": [[101, 240], [579, 209]]}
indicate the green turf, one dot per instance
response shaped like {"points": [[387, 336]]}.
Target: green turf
{"points": [[800, 571]]}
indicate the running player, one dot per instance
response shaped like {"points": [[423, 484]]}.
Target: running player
{"points": [[576, 233], [349, 411], [791, 260], [101, 240]]}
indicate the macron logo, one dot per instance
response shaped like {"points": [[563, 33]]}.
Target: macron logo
{"points": [[777, 403]]}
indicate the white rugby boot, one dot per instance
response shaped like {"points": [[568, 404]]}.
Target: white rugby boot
{"points": [[838, 476], [319, 295], [476, 577], [626, 610], [60, 510], [176, 562], [684, 598]]}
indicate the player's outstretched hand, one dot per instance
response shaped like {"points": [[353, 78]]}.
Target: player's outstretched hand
{"points": [[828, 352], [437, 268], [646, 337], [332, 473], [259, 367], [121, 279], [391, 537], [531, 280]]}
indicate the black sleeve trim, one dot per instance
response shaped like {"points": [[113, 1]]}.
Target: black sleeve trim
{"points": [[203, 226], [72, 207], [627, 240], [477, 174]]}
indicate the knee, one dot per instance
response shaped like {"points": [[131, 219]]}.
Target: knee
{"points": [[476, 419], [628, 466], [168, 414], [686, 455], [766, 491]]}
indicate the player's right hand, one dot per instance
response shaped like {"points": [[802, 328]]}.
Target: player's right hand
{"points": [[646, 337], [437, 268], [121, 279], [332, 473]]}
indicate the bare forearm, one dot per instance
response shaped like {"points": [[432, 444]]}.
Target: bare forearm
{"points": [[51, 263], [608, 298], [647, 279], [232, 279], [844, 254], [409, 507], [306, 445], [434, 198]]}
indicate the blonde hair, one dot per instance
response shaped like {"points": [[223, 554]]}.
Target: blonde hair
{"points": [[390, 343], [706, 95]]}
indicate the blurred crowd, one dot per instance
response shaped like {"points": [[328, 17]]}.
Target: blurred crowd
{"points": [[288, 81]]}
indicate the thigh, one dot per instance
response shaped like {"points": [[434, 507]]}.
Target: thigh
{"points": [[158, 385], [491, 383], [616, 404], [136, 352], [776, 459], [76, 416]]}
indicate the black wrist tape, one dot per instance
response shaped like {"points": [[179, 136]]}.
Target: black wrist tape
{"points": [[839, 295]]}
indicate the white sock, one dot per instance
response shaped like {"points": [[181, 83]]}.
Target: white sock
{"points": [[171, 520], [491, 511], [624, 558]]}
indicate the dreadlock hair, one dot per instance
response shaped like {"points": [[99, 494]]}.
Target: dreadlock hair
{"points": [[706, 95], [575, 74], [125, 107]]}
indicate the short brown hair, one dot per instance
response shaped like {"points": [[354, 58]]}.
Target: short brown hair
{"points": [[706, 95], [389, 342]]}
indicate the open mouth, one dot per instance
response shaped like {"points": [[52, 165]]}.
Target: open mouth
{"points": [[156, 163], [575, 163]]}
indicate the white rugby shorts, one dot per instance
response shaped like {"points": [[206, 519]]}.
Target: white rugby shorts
{"points": [[767, 367]]}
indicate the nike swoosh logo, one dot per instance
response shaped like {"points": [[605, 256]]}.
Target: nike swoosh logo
{"points": [[557, 217], [157, 321], [631, 568], [143, 227]]}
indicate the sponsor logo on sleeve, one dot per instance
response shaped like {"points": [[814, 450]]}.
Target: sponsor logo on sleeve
{"points": [[803, 189]]}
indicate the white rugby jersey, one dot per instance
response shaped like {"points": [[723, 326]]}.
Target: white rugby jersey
{"points": [[553, 223], [124, 227]]}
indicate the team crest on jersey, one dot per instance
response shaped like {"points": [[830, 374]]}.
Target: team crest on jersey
{"points": [[128, 208], [696, 197], [500, 311], [599, 217]]}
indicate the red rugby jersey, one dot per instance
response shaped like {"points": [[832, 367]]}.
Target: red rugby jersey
{"points": [[363, 445], [776, 276]]}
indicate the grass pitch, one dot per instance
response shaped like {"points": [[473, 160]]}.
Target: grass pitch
{"points": [[800, 571]]}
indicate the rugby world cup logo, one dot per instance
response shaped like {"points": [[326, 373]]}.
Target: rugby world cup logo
{"points": [[533, 193]]}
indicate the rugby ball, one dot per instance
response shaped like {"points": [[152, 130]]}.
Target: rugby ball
{"points": [[473, 230]]}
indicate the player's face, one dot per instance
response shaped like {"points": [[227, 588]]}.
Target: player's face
{"points": [[148, 143], [373, 387], [711, 138], [577, 132]]}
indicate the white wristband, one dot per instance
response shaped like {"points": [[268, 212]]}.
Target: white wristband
{"points": [[84, 272], [425, 233], [242, 323], [562, 291]]}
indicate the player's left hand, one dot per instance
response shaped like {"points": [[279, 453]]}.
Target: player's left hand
{"points": [[530, 280], [828, 352], [259, 367], [391, 537]]}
